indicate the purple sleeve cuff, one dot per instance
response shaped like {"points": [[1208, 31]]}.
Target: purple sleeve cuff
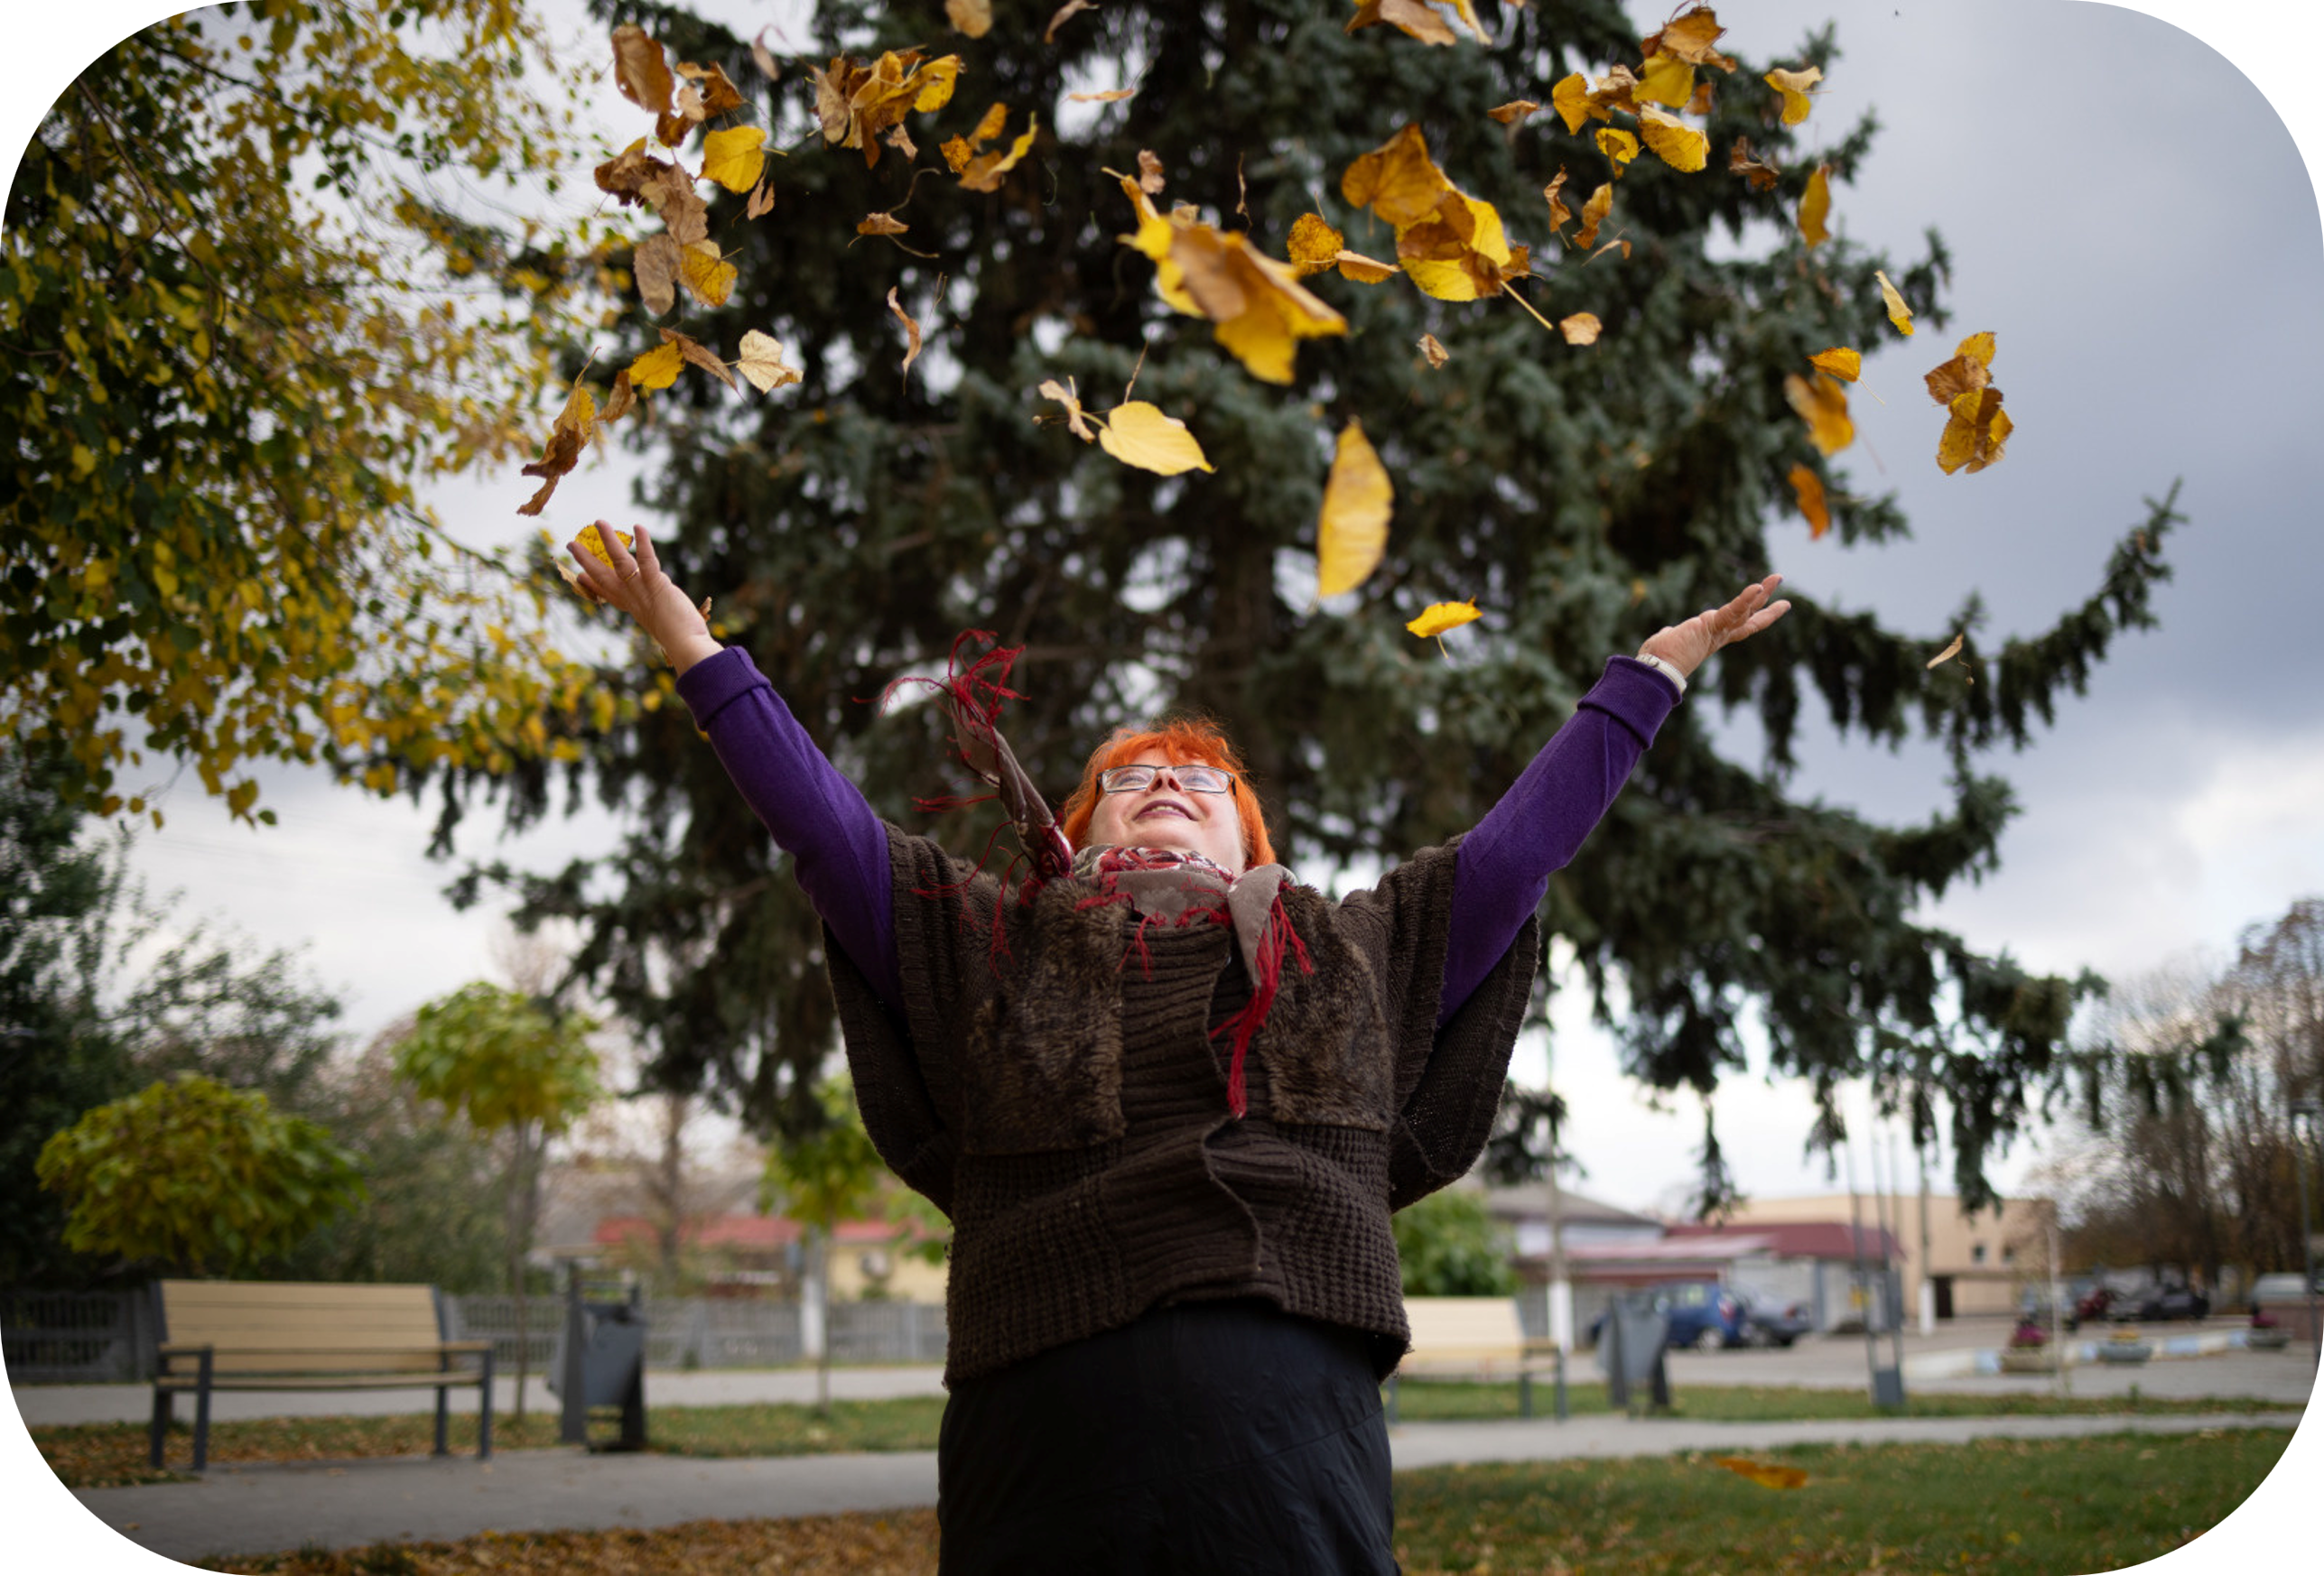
{"points": [[837, 846], [1540, 823]]}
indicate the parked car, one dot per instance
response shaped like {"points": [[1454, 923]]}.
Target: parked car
{"points": [[2173, 1302], [1708, 1317], [1765, 1324]]}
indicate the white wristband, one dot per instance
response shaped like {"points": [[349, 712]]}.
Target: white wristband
{"points": [[1669, 670]]}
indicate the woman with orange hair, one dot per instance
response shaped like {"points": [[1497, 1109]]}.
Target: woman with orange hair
{"points": [[1168, 1098]]}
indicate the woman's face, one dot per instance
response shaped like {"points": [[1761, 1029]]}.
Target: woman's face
{"points": [[1167, 815]]}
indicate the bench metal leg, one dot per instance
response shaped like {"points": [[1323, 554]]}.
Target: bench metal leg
{"points": [[162, 1406], [443, 1410], [1524, 1392], [483, 1413], [201, 1414]]}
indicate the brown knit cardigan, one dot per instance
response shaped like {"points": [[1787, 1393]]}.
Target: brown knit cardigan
{"points": [[1057, 1094]]}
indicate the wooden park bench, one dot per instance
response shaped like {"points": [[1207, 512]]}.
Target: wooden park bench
{"points": [[1474, 1338], [304, 1335]]}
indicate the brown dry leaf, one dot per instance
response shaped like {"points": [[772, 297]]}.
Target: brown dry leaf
{"points": [[1137, 433], [718, 95], [1816, 206], [1763, 1474], [855, 104], [655, 264], [881, 224], [1839, 361], [1438, 617], [1066, 394], [700, 356], [1823, 404], [1412, 18], [1975, 431], [982, 172], [1808, 490], [1070, 8], [1452, 245], [1970, 368], [669, 192], [1111, 96], [1581, 328], [1515, 112], [1898, 312], [762, 57], [1699, 106], [1949, 653], [1149, 171], [627, 173], [1741, 162], [1260, 307], [1351, 533], [762, 201], [1794, 86], [618, 403], [709, 275], [641, 70], [911, 326], [568, 434], [1689, 38], [1618, 145], [1436, 353], [1593, 214], [972, 17], [1675, 142], [762, 362], [1559, 214]]}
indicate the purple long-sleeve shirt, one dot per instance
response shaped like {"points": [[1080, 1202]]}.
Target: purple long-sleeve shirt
{"points": [[839, 848]]}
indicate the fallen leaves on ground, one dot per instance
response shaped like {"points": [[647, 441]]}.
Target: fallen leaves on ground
{"points": [[1351, 533], [1762, 1473], [894, 1542]]}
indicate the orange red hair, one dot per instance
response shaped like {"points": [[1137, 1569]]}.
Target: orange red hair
{"points": [[1180, 741]]}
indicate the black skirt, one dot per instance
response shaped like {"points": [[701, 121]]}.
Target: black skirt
{"points": [[1207, 1437]]}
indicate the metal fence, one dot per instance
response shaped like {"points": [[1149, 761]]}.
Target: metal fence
{"points": [[55, 1337]]}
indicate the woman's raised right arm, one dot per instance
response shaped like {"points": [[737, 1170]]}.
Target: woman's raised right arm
{"points": [[838, 845]]}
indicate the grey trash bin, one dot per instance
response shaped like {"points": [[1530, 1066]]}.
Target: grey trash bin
{"points": [[1630, 1350], [601, 1362]]}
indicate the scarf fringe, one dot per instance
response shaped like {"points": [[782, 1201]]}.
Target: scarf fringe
{"points": [[1267, 977]]}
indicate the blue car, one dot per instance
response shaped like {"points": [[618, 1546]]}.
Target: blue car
{"points": [[1709, 1317]]}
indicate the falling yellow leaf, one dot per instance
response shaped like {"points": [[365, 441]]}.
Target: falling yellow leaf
{"points": [[972, 17], [1839, 361], [1111, 96], [1314, 246], [1675, 142], [982, 172], [1258, 306], [1617, 144], [1975, 431], [1570, 97], [1665, 79], [1438, 617], [735, 158], [1971, 368], [762, 362], [1064, 394], [1898, 312], [1948, 654], [657, 369], [1452, 245], [1436, 353], [855, 104], [1794, 86], [1816, 206], [1396, 180], [911, 326], [1070, 8], [1581, 328], [641, 70], [1593, 214], [591, 541], [1559, 214], [1823, 404], [1137, 433], [1808, 490], [1690, 38], [1414, 19], [709, 276], [1765, 1476], [1353, 531], [1515, 112]]}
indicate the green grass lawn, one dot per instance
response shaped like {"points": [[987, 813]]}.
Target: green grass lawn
{"points": [[1448, 1400], [1998, 1508]]}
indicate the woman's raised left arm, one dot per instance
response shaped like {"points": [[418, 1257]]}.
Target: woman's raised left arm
{"points": [[1506, 862]]}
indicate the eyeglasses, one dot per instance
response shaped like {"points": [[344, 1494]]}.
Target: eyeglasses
{"points": [[1193, 779]]}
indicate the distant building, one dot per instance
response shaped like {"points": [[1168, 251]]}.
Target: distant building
{"points": [[1979, 1264], [766, 1255]]}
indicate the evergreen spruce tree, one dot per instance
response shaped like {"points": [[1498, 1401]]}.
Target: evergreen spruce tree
{"points": [[850, 526]]}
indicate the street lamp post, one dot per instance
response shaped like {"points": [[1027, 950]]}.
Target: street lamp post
{"points": [[2304, 1115]]}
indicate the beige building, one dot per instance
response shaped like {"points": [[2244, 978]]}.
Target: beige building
{"points": [[1976, 1264]]}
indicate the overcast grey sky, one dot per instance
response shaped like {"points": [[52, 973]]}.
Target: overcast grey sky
{"points": [[2134, 224]]}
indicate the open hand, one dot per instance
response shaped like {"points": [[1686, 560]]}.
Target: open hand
{"points": [[1686, 646], [637, 586]]}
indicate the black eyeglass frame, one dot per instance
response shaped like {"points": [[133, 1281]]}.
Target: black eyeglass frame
{"points": [[1107, 785]]}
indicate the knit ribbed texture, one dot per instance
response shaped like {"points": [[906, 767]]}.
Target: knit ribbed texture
{"points": [[1061, 1095]]}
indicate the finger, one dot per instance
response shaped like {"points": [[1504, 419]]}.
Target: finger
{"points": [[623, 565], [646, 560], [594, 573]]}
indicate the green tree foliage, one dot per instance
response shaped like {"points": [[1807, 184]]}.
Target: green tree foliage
{"points": [[244, 319], [847, 527], [820, 1177], [194, 1177], [513, 1065], [1447, 1245]]}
